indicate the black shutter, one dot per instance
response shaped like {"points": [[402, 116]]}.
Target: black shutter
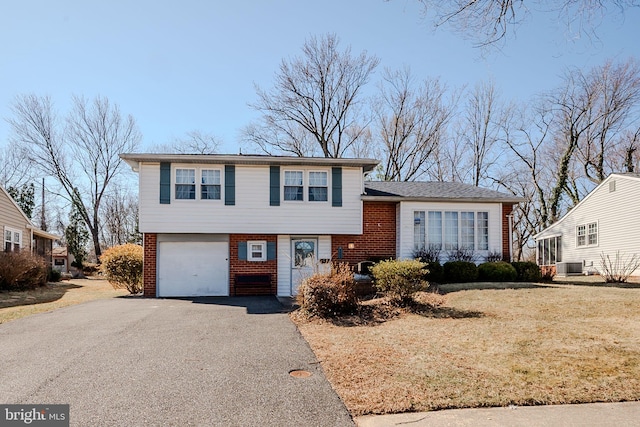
{"points": [[229, 185], [271, 251], [274, 185], [165, 183], [336, 186], [242, 251]]}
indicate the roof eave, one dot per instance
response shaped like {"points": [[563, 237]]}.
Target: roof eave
{"points": [[439, 199], [134, 159], [43, 233]]}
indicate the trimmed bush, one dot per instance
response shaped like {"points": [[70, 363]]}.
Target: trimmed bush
{"points": [[329, 294], [122, 267], [54, 275], [460, 272], [433, 272], [527, 271], [399, 279], [500, 271], [21, 271]]}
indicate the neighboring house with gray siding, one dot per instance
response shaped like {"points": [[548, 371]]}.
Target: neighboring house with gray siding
{"points": [[605, 222]]}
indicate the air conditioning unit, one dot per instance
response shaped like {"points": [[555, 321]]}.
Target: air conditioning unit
{"points": [[568, 268]]}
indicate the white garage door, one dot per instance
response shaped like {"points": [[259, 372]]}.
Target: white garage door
{"points": [[187, 269]]}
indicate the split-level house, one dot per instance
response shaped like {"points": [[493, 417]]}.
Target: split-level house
{"points": [[251, 224], [605, 222], [18, 231]]}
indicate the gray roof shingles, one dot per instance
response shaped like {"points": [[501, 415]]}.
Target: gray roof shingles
{"points": [[435, 191]]}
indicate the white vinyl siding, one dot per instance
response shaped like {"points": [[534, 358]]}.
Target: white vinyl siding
{"points": [[252, 212], [615, 214]]}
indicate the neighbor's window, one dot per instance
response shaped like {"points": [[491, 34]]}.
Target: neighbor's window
{"points": [[550, 250], [12, 240], [592, 233], [318, 187], [293, 185], [210, 184], [581, 235], [257, 250], [186, 184]]}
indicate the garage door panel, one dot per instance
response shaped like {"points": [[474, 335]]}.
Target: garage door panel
{"points": [[193, 269]]}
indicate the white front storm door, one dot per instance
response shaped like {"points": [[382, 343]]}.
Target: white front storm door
{"points": [[303, 261]]}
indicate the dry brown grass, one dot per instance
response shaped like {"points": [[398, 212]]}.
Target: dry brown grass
{"points": [[14, 305], [489, 346]]}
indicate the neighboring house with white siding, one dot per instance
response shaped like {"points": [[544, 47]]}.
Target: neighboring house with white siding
{"points": [[250, 224], [605, 222], [19, 233]]}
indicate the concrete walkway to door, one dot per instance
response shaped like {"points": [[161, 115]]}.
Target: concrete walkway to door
{"points": [[164, 362]]}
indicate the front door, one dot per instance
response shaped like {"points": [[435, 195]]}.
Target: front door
{"points": [[303, 261]]}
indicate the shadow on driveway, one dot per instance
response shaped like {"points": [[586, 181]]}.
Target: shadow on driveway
{"points": [[254, 304]]}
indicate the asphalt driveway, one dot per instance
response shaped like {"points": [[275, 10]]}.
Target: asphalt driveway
{"points": [[135, 361]]}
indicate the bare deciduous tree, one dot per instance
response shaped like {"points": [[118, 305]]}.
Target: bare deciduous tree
{"points": [[490, 21], [195, 142], [81, 153], [410, 123], [120, 213], [479, 131], [318, 93]]}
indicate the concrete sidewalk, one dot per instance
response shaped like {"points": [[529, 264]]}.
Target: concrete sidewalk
{"points": [[625, 414]]}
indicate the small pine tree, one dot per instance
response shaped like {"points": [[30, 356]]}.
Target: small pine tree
{"points": [[77, 237], [24, 197]]}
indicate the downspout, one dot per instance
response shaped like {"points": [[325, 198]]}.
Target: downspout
{"points": [[510, 219]]}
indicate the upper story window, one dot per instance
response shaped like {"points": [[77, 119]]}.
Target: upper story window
{"points": [[587, 234], [185, 184], [318, 189], [210, 187], [12, 240], [293, 185]]}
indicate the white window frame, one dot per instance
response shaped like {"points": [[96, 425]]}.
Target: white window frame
{"points": [[593, 225], [263, 250], [200, 173], [284, 185], [309, 186], [176, 183], [12, 239], [424, 228], [584, 231]]}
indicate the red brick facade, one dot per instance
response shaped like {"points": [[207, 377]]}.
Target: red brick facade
{"points": [[378, 239], [237, 266], [149, 269], [506, 249]]}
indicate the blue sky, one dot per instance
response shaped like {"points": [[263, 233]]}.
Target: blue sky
{"points": [[191, 65]]}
